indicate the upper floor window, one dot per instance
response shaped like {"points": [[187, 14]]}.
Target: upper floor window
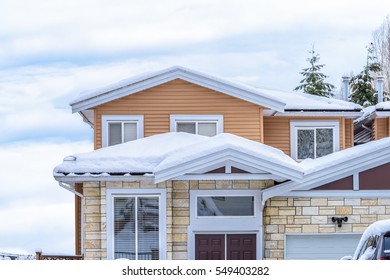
{"points": [[207, 125], [313, 139], [118, 129]]}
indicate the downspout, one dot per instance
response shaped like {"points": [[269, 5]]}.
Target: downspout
{"points": [[262, 226], [70, 188]]}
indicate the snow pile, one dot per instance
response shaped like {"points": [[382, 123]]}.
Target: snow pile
{"points": [[375, 229], [303, 101], [162, 151], [226, 142], [142, 155], [368, 111], [383, 105]]}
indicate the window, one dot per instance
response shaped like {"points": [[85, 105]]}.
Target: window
{"points": [[207, 125], [136, 225], [313, 139], [368, 249], [225, 206], [118, 129]]}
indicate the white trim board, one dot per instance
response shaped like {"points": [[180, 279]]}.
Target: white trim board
{"points": [[225, 155], [332, 193]]}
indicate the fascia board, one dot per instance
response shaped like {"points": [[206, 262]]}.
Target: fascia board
{"points": [[382, 114], [346, 114], [226, 155], [79, 179], [205, 81]]}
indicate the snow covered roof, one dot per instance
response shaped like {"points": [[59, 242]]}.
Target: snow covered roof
{"points": [[336, 166], [303, 101], [383, 106], [276, 100], [92, 98], [173, 154], [169, 155]]}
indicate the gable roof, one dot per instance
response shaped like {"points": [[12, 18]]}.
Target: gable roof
{"points": [[169, 155], [275, 100], [138, 83], [336, 166]]}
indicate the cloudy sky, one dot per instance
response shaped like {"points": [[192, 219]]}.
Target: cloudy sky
{"points": [[52, 50]]}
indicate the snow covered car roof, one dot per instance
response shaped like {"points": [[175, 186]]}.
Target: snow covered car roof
{"points": [[375, 229]]}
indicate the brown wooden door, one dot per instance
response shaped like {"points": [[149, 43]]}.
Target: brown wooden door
{"points": [[241, 246], [237, 246], [209, 246]]}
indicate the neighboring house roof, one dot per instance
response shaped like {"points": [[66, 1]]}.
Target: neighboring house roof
{"points": [[363, 126], [275, 100], [169, 155], [363, 131]]}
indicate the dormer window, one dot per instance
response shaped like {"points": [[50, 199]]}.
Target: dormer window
{"points": [[206, 125], [312, 139], [117, 129]]}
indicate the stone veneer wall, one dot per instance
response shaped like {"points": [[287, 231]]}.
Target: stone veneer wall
{"points": [[178, 212], [313, 215]]}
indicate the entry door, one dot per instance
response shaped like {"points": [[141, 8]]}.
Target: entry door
{"points": [[225, 246]]}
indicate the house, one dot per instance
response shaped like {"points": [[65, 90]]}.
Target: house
{"points": [[189, 165]]}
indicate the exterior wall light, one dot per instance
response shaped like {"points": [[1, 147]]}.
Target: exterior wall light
{"points": [[339, 220]]}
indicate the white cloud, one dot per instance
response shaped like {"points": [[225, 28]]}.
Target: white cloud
{"points": [[62, 28], [35, 212]]}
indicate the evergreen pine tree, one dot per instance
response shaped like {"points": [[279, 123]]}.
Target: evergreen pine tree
{"points": [[362, 89], [313, 81]]}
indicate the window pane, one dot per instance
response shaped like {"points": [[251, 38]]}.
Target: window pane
{"points": [[225, 206], [148, 227], [114, 133], [130, 131], [324, 141], [186, 127], [305, 143], [207, 129], [386, 242], [124, 228]]}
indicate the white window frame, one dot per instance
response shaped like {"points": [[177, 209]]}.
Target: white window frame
{"points": [[113, 193], [217, 119], [295, 125], [224, 222], [106, 119]]}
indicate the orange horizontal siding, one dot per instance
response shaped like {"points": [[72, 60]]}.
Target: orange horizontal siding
{"points": [[349, 135], [180, 97], [381, 128]]}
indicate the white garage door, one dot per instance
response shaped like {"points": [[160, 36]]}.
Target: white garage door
{"points": [[320, 246]]}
